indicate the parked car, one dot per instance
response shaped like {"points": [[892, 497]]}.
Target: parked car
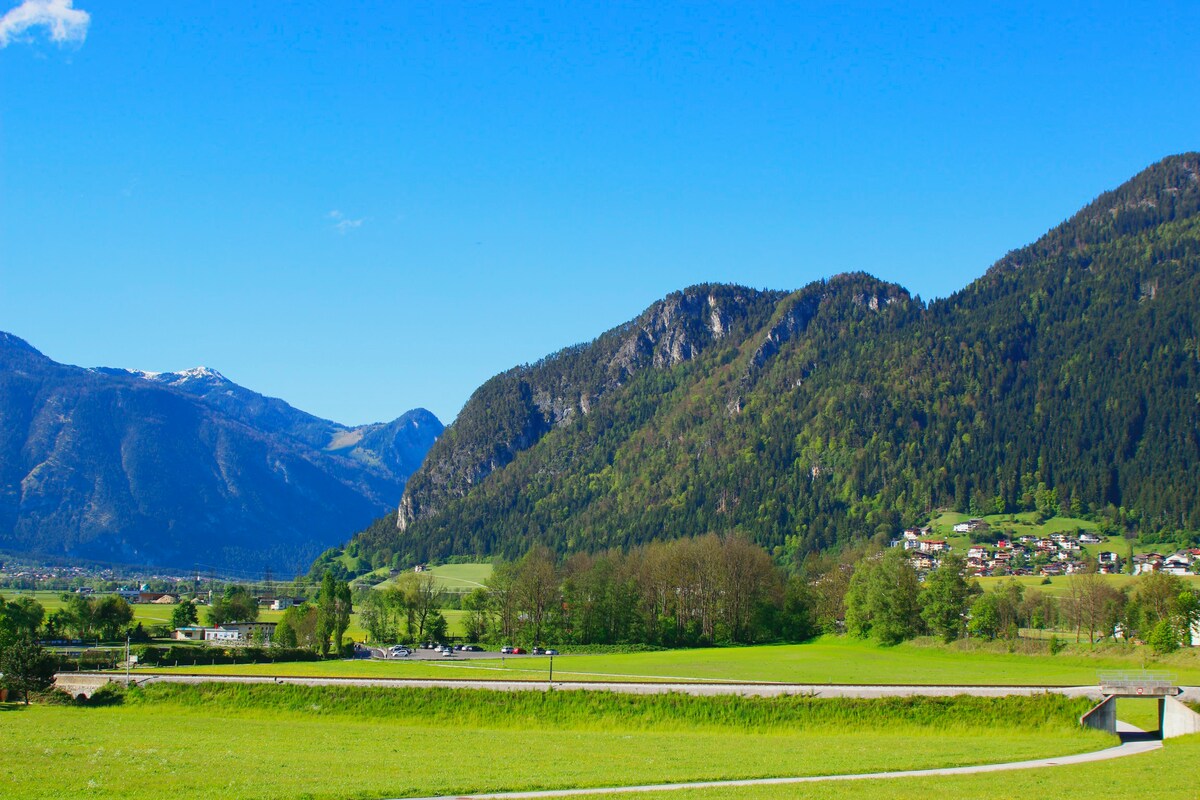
{"points": [[539, 651], [551, 652], [398, 651], [472, 648], [507, 650], [448, 652], [519, 651]]}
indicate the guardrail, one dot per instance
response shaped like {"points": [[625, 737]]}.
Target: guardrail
{"points": [[1137, 683]]}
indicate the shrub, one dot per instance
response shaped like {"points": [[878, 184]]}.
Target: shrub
{"points": [[110, 694]]}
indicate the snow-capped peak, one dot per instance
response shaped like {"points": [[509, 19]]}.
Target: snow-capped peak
{"points": [[200, 372], [177, 378]]}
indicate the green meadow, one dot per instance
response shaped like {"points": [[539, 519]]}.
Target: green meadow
{"points": [[828, 660], [1060, 586], [222, 741], [452, 577], [1167, 774]]}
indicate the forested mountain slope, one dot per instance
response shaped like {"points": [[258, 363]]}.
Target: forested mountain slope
{"points": [[1066, 378], [180, 468]]}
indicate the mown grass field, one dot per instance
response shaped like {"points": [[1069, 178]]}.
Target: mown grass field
{"points": [[454, 577], [1167, 774], [288, 742], [827, 660]]}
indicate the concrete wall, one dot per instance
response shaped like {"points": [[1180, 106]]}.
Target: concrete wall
{"points": [[1103, 717], [1178, 719], [76, 685]]}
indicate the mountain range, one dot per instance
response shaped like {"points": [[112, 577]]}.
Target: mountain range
{"points": [[177, 469], [1066, 380]]}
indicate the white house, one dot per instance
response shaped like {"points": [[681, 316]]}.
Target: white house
{"points": [[1177, 564]]}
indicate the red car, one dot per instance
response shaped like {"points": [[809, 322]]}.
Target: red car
{"points": [[519, 651]]}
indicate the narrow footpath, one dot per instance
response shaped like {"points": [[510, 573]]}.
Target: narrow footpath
{"points": [[1133, 743]]}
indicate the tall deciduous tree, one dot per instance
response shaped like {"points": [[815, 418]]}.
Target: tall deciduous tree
{"points": [[184, 614], [945, 599], [342, 608], [883, 599], [236, 604]]}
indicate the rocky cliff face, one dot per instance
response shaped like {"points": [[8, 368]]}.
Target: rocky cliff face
{"points": [[513, 411], [177, 468]]}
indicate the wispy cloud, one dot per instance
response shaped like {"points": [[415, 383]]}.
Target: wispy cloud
{"points": [[343, 225], [62, 22]]}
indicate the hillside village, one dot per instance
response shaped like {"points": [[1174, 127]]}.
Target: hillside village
{"points": [[1051, 555]]}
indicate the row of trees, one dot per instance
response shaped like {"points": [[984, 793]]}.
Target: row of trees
{"points": [[88, 617], [686, 592], [407, 611], [713, 589], [886, 601]]}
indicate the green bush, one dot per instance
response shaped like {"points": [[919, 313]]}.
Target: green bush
{"points": [[110, 694]]}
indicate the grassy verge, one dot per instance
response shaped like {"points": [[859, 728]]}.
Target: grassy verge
{"points": [[287, 742], [828, 660]]}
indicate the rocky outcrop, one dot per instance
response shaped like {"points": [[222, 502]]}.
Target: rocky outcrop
{"points": [[513, 411]]}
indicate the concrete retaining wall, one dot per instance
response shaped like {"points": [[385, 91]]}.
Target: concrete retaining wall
{"points": [[1178, 719], [1103, 717], [76, 685]]}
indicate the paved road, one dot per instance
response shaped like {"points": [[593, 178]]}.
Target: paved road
{"points": [[1128, 748]]}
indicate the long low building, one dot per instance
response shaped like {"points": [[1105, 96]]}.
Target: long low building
{"points": [[230, 632]]}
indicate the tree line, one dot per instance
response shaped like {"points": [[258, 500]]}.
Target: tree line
{"points": [[688, 592], [886, 601], [727, 590]]}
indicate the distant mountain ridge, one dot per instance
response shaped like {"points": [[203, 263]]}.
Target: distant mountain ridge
{"points": [[177, 468], [1065, 378]]}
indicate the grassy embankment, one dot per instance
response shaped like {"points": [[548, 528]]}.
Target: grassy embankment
{"points": [[827, 660], [285, 742]]}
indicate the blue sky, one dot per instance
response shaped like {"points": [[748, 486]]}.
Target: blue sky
{"points": [[368, 207]]}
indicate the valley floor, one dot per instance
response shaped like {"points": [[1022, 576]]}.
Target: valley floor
{"points": [[828, 660], [287, 742]]}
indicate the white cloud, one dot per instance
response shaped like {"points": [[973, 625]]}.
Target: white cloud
{"points": [[63, 23], [343, 225]]}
